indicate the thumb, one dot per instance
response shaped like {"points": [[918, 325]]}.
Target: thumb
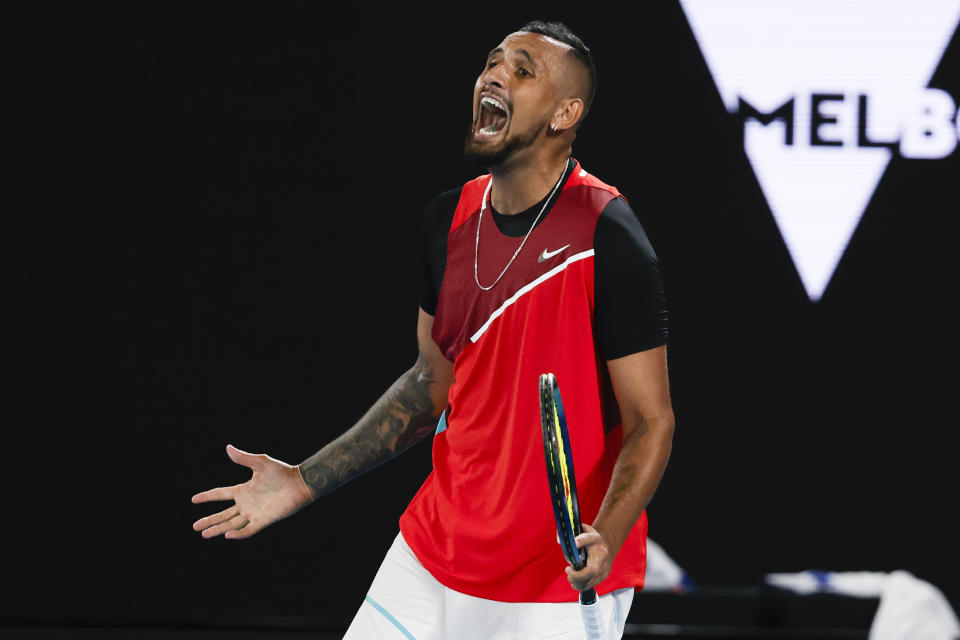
{"points": [[241, 457]]}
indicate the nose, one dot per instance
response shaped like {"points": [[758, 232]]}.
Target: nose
{"points": [[495, 77]]}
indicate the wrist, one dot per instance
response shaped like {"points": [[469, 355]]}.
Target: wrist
{"points": [[306, 493], [610, 539]]}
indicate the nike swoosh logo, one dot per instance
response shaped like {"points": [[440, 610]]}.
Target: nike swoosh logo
{"points": [[546, 255]]}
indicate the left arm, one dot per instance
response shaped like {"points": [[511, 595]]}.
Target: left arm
{"points": [[641, 386]]}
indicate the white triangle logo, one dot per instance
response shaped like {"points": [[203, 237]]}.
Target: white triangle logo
{"points": [[826, 91]]}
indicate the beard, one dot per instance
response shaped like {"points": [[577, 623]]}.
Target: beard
{"points": [[488, 156]]}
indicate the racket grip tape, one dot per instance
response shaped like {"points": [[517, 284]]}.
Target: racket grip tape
{"points": [[592, 615]]}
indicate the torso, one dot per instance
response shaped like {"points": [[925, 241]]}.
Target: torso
{"points": [[482, 522]]}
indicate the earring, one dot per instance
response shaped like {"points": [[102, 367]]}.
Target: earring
{"points": [[553, 126]]}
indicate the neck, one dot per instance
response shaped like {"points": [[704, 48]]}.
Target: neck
{"points": [[521, 183]]}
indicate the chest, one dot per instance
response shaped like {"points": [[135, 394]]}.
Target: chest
{"points": [[487, 271]]}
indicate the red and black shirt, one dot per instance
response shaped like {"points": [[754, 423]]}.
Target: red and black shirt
{"points": [[585, 288]]}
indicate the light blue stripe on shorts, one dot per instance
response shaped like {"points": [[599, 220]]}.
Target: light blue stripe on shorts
{"points": [[386, 614]]}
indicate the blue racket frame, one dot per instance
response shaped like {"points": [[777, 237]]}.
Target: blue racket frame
{"points": [[567, 529]]}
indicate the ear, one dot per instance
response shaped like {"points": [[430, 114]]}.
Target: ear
{"points": [[567, 115]]}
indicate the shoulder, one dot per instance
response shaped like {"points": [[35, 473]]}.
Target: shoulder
{"points": [[631, 308], [582, 178], [619, 226], [442, 202], [588, 192], [448, 208], [439, 211]]}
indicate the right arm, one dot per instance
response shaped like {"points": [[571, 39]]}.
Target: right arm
{"points": [[404, 414]]}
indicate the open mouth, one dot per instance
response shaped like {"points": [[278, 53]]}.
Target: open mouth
{"points": [[492, 118]]}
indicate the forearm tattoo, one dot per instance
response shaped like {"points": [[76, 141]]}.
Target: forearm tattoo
{"points": [[402, 416]]}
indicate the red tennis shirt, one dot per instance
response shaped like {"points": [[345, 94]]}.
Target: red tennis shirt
{"points": [[482, 523]]}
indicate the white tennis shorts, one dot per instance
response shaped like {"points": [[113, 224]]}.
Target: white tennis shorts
{"points": [[405, 602]]}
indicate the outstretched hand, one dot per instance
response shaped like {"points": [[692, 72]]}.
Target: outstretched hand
{"points": [[275, 491]]}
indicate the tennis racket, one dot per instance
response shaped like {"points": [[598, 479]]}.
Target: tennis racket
{"points": [[563, 494]]}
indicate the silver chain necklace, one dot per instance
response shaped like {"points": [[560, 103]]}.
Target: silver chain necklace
{"points": [[483, 205]]}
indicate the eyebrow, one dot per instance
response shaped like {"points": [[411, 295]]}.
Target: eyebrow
{"points": [[524, 52]]}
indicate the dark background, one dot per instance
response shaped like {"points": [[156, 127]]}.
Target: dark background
{"points": [[211, 216]]}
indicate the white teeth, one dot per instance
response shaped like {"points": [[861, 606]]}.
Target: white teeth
{"points": [[493, 102]]}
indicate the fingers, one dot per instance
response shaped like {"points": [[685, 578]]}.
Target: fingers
{"points": [[589, 576], [597, 567], [220, 493], [230, 522], [588, 539], [227, 493], [590, 570], [217, 518], [236, 522], [240, 534]]}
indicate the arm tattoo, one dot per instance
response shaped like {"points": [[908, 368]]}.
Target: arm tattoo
{"points": [[402, 416]]}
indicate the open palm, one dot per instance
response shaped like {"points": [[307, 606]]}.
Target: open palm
{"points": [[276, 490]]}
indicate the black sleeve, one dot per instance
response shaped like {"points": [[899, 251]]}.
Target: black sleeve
{"points": [[434, 229], [630, 308]]}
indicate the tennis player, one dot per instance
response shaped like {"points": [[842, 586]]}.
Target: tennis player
{"points": [[536, 266]]}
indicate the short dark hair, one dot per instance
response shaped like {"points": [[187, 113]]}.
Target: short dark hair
{"points": [[580, 51]]}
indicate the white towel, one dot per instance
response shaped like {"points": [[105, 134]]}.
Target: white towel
{"points": [[913, 609], [910, 608]]}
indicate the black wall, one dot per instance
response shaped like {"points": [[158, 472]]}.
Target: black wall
{"points": [[211, 217]]}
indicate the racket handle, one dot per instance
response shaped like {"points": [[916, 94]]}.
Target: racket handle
{"points": [[591, 614]]}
